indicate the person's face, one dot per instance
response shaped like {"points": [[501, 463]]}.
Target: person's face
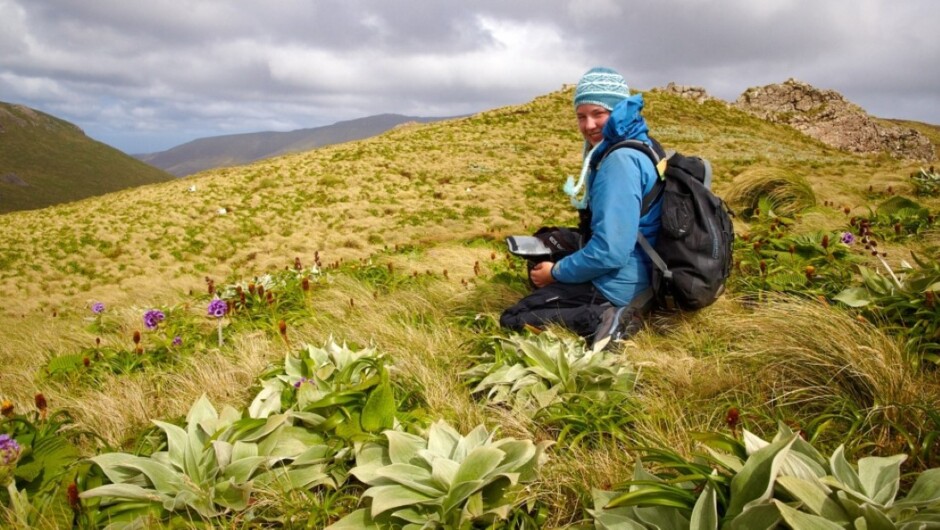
{"points": [[591, 120]]}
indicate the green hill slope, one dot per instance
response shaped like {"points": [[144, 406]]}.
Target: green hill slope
{"points": [[46, 161], [239, 149], [406, 233], [494, 173]]}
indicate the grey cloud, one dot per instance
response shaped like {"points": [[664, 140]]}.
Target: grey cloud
{"points": [[128, 71]]}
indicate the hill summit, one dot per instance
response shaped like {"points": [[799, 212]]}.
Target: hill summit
{"points": [[45, 160]]}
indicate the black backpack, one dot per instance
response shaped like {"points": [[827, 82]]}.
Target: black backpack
{"points": [[693, 253]]}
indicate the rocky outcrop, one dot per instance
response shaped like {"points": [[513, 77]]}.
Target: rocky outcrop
{"points": [[827, 116], [695, 93]]}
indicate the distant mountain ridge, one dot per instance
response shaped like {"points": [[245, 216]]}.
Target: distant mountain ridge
{"points": [[239, 149], [45, 160]]}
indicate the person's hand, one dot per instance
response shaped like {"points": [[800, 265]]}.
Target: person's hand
{"points": [[541, 274]]}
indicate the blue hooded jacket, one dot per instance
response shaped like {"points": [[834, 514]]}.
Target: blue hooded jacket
{"points": [[612, 259]]}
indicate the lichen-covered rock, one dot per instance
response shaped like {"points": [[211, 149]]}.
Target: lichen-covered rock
{"points": [[827, 116], [695, 93]]}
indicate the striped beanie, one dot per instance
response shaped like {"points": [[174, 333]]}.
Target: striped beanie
{"points": [[601, 86]]}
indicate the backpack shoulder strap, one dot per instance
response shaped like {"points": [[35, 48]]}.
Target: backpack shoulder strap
{"points": [[657, 155], [653, 150]]}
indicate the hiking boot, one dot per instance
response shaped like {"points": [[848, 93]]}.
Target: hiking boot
{"points": [[617, 324]]}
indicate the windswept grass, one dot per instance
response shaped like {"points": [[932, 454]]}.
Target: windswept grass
{"points": [[407, 231]]}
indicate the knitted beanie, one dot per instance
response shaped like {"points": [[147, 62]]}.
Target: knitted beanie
{"points": [[601, 86]]}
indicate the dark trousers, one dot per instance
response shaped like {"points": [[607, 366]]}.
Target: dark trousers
{"points": [[577, 306]]}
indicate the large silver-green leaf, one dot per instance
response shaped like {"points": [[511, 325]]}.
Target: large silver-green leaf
{"points": [[202, 413], [478, 465], [816, 497], [460, 492], [478, 437], [881, 477], [232, 495], [756, 517], [393, 496], [854, 297], [608, 520], [705, 512], [111, 464], [163, 478], [268, 400], [924, 492], [403, 447], [124, 491], [176, 441], [443, 471], [379, 411], [661, 518], [843, 471], [802, 460], [370, 457], [414, 477], [296, 478], [804, 521], [243, 469], [519, 455], [442, 440], [272, 423], [755, 482]]}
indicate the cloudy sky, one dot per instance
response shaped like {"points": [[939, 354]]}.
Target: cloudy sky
{"points": [[147, 76]]}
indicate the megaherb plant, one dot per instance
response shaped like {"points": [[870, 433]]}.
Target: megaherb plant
{"points": [[908, 303], [758, 485], [270, 299], [166, 336], [896, 219], [926, 181], [575, 390], [445, 481], [211, 468], [38, 457], [333, 389], [771, 258]]}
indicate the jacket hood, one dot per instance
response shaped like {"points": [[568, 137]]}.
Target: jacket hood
{"points": [[626, 122]]}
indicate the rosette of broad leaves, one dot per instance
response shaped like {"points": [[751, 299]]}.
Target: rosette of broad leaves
{"points": [[210, 467], [536, 371], [331, 389], [907, 303], [444, 481], [785, 483]]}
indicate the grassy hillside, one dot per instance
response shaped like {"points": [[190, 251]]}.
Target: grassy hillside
{"points": [[46, 161], [395, 242], [239, 149]]}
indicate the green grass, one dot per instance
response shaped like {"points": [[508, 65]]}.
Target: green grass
{"points": [[407, 231]]}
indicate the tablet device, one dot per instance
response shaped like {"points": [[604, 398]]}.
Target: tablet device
{"points": [[527, 246]]}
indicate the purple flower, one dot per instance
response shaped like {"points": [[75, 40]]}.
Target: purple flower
{"points": [[218, 308], [177, 340], [153, 318], [97, 308], [848, 238], [9, 449], [300, 381]]}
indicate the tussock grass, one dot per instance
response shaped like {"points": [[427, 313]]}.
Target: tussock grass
{"points": [[789, 359], [387, 217], [824, 352], [788, 192]]}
